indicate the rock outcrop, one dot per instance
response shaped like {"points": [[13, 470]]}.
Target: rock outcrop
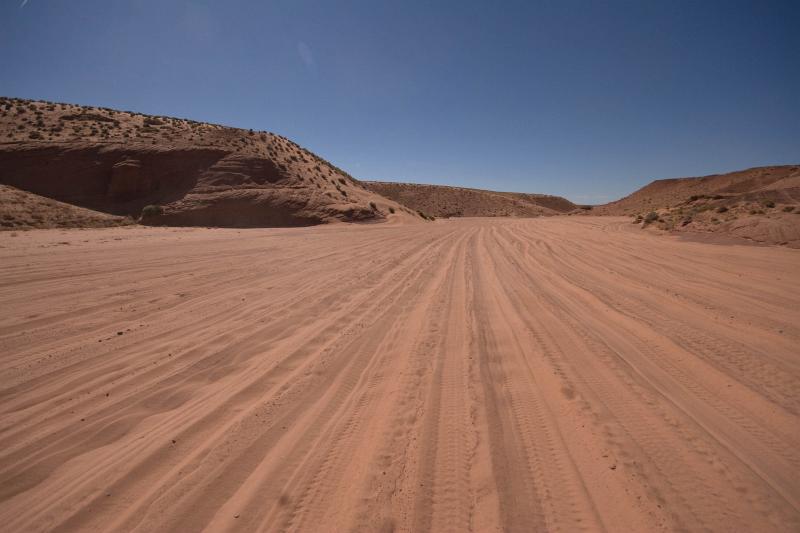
{"points": [[197, 174]]}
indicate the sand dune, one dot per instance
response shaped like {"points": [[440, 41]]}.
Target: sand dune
{"points": [[572, 374]]}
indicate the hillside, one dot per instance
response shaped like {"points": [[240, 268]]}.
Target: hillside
{"points": [[761, 204], [191, 173], [445, 201], [779, 184], [24, 210]]}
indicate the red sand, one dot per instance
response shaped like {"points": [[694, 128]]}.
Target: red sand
{"points": [[541, 374]]}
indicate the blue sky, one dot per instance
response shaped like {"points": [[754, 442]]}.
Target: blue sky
{"points": [[585, 99]]}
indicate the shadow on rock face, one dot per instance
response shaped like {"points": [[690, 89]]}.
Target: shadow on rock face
{"points": [[109, 179]]}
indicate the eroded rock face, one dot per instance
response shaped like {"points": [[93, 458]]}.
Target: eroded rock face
{"points": [[106, 178], [243, 208], [128, 181], [236, 170], [192, 173], [196, 187]]}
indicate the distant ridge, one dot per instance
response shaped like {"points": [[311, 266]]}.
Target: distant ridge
{"points": [[447, 201]]}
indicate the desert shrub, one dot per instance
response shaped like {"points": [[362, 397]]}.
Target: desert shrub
{"points": [[770, 204], [652, 216], [35, 135], [373, 206], [152, 210], [586, 207], [788, 209], [722, 209], [391, 210]]}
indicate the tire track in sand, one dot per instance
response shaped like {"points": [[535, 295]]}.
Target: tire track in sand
{"points": [[555, 374]]}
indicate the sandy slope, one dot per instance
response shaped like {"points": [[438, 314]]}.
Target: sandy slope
{"points": [[544, 374], [778, 184], [759, 204], [24, 210]]}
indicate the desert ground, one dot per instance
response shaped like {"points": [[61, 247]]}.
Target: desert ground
{"points": [[564, 373]]}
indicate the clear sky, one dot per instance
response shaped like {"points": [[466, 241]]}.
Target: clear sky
{"points": [[585, 99]]}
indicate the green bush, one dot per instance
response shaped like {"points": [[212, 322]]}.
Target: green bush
{"points": [[152, 211], [652, 216]]}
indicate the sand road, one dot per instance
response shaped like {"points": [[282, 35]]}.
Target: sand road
{"points": [[560, 374]]}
